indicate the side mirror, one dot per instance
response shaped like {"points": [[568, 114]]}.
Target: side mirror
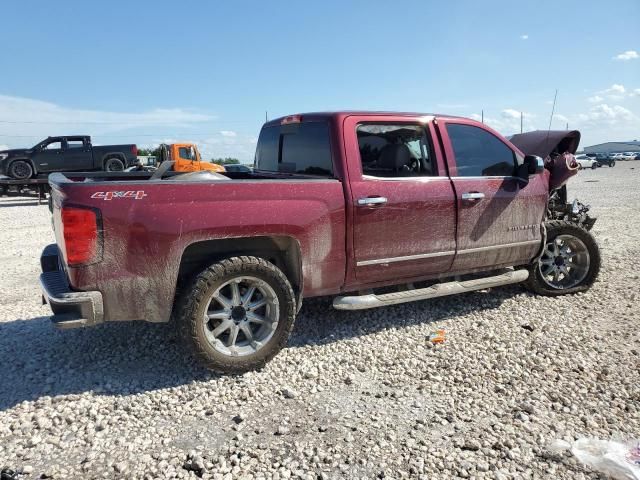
{"points": [[532, 165]]}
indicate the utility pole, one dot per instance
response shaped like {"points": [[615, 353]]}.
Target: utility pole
{"points": [[521, 121], [567, 125], [266, 117], [482, 116]]}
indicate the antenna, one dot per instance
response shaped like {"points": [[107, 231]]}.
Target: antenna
{"points": [[553, 109]]}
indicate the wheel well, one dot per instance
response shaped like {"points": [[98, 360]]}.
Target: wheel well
{"points": [[28, 160], [283, 252], [109, 156]]}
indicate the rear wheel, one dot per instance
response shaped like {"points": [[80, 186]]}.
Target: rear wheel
{"points": [[569, 263], [612, 163], [21, 170], [237, 314], [114, 165], [594, 165]]}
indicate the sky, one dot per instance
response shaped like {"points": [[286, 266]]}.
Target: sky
{"points": [[147, 72]]}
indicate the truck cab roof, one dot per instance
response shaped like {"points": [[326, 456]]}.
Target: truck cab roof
{"points": [[340, 114]]}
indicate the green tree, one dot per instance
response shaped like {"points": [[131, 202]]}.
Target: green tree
{"points": [[149, 151], [225, 161], [144, 152]]}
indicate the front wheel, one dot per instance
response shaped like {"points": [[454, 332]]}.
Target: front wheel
{"points": [[569, 263], [237, 314], [21, 170], [612, 163]]}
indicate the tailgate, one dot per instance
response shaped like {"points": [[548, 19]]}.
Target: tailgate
{"points": [[82, 199]]}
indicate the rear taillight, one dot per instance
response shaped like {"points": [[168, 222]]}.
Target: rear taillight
{"points": [[81, 235], [134, 150]]}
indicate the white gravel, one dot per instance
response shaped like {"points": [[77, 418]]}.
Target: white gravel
{"points": [[355, 395]]}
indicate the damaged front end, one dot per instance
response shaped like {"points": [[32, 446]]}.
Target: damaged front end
{"points": [[558, 149], [575, 211]]}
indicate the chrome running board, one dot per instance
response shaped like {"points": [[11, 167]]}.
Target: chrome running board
{"points": [[361, 302]]}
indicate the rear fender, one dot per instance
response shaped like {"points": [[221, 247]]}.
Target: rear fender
{"points": [[282, 251]]}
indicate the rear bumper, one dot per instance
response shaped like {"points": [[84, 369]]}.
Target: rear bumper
{"points": [[70, 309]]}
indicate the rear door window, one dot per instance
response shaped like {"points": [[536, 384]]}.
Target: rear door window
{"points": [[395, 150], [295, 148], [74, 143]]}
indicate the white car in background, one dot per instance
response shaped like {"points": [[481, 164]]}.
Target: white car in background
{"points": [[586, 162], [630, 155]]}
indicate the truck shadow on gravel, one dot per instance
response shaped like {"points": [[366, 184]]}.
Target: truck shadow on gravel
{"points": [[128, 358]]}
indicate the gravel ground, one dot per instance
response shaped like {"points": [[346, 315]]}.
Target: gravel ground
{"points": [[355, 395]]}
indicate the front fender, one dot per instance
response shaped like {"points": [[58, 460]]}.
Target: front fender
{"points": [[9, 161]]}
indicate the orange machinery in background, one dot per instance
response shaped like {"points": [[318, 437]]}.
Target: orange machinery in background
{"points": [[186, 158]]}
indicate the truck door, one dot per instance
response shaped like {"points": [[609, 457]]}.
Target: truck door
{"points": [[402, 200], [498, 216], [77, 154], [185, 159], [49, 157]]}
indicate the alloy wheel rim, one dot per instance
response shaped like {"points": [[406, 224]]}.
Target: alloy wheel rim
{"points": [[241, 316], [21, 170], [565, 262]]}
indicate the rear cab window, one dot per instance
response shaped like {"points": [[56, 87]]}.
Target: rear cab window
{"points": [[302, 148]]}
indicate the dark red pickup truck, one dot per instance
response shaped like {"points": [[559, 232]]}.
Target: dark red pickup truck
{"points": [[373, 208]]}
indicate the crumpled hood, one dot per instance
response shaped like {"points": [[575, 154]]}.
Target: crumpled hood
{"points": [[544, 142], [557, 147]]}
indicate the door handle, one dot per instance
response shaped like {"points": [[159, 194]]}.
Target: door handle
{"points": [[371, 201], [472, 196]]}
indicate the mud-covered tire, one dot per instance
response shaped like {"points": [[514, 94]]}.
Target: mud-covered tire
{"points": [[113, 165], [21, 170], [195, 301], [556, 228]]}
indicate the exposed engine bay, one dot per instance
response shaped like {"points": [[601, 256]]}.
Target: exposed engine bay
{"points": [[557, 148]]}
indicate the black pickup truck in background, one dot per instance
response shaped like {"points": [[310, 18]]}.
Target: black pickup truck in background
{"points": [[65, 154]]}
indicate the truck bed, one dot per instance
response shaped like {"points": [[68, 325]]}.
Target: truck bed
{"points": [[151, 225]]}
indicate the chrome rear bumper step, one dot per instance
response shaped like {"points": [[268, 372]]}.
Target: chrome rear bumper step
{"points": [[361, 302]]}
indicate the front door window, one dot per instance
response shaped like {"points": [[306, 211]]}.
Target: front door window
{"points": [[479, 153]]}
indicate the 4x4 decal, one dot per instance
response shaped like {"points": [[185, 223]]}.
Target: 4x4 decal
{"points": [[135, 194]]}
